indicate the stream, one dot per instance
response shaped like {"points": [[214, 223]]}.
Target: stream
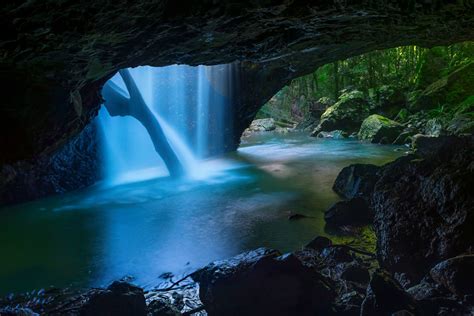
{"points": [[144, 229]]}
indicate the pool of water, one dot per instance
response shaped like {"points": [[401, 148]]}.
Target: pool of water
{"points": [[143, 229]]}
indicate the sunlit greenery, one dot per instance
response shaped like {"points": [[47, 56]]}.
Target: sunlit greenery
{"points": [[408, 70]]}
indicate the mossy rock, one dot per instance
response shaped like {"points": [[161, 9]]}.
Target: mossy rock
{"points": [[379, 129], [449, 91], [346, 114]]}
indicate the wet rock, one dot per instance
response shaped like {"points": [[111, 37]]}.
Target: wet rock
{"points": [[456, 274], [319, 243], [351, 212], [162, 307], [385, 296], [333, 134], [263, 282], [356, 180], [346, 114], [424, 207], [120, 298], [379, 129]]}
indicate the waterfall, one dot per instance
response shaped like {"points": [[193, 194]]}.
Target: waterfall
{"points": [[192, 109]]}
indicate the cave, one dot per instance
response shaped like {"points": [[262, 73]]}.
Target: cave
{"points": [[237, 158]]}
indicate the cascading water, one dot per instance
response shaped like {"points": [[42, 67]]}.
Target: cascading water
{"points": [[190, 108]]}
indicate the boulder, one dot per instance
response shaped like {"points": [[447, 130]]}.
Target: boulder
{"points": [[456, 274], [385, 296], [119, 299], [346, 114], [379, 129], [262, 125], [263, 282], [351, 212], [424, 208], [356, 180]]}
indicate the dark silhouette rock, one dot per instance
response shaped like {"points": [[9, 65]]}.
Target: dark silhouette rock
{"points": [[74, 166], [263, 282], [424, 208], [385, 296], [456, 274], [351, 212], [119, 299], [356, 180]]}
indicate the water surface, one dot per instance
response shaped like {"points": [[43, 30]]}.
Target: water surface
{"points": [[144, 229]]}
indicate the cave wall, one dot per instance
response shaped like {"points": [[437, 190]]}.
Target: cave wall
{"points": [[73, 166], [58, 54]]}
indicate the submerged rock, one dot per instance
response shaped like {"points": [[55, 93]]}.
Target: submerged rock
{"points": [[347, 114], [351, 212], [356, 180], [263, 282], [379, 129]]}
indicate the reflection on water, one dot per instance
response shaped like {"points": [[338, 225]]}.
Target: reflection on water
{"points": [[143, 229]]}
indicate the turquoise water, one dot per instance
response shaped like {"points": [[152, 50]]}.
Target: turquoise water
{"points": [[144, 229]]}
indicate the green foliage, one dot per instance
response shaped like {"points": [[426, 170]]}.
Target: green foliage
{"points": [[391, 75]]}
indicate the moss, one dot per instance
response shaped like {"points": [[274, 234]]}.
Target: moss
{"points": [[377, 127], [449, 91]]}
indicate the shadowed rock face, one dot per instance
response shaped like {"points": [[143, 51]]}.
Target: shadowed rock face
{"points": [[57, 55]]}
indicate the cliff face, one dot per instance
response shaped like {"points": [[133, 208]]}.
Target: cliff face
{"points": [[58, 54]]}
